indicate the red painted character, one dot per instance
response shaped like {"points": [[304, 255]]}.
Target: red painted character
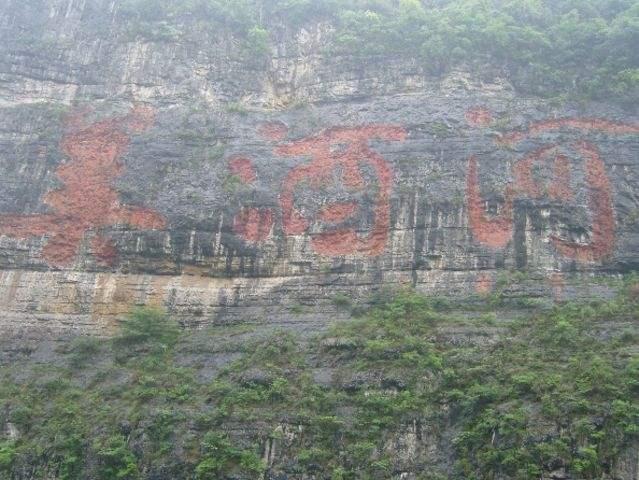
{"points": [[341, 157], [479, 117], [87, 201], [253, 224], [496, 231]]}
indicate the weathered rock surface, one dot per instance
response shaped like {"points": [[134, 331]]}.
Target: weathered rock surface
{"points": [[138, 171]]}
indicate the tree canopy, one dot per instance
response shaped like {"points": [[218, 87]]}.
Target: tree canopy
{"points": [[585, 48]]}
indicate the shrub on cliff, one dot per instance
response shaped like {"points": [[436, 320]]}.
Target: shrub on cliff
{"points": [[551, 48], [7, 451], [221, 456], [115, 460], [150, 326], [411, 385]]}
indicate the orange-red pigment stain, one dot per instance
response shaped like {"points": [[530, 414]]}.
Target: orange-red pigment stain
{"points": [[484, 284], [497, 232], [275, 131], [560, 186], [253, 224], [343, 151], [527, 186], [88, 200], [494, 232], [602, 210], [243, 168], [337, 212], [587, 124], [479, 117]]}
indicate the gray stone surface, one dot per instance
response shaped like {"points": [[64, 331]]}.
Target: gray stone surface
{"points": [[192, 211]]}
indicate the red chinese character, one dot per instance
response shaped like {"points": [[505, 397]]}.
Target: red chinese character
{"points": [[87, 201], [341, 158], [252, 224], [497, 230]]}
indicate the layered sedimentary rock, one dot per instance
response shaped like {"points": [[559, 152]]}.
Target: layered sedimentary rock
{"points": [[136, 171]]}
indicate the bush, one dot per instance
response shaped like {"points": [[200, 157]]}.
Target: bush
{"points": [[519, 407], [7, 452], [258, 41], [341, 300], [115, 460], [83, 349], [583, 49], [145, 325], [220, 456]]}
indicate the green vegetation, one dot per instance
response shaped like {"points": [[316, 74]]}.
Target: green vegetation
{"points": [[557, 49], [563, 49], [549, 389], [148, 326]]}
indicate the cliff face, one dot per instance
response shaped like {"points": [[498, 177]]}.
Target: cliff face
{"points": [[142, 169], [269, 189]]}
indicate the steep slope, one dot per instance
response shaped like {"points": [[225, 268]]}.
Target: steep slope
{"points": [[185, 160], [415, 389], [319, 239]]}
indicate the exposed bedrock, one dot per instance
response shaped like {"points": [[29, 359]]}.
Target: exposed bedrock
{"points": [[140, 172]]}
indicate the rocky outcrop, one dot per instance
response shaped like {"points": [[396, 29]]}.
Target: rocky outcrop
{"points": [[139, 171]]}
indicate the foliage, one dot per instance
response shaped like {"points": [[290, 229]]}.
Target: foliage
{"points": [[558, 390], [576, 380], [258, 41], [146, 325], [116, 460], [220, 456], [554, 48], [83, 349], [563, 49], [7, 451]]}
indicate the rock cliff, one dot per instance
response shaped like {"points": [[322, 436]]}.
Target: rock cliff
{"points": [[257, 190], [162, 171]]}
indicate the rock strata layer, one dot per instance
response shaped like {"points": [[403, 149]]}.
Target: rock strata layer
{"points": [[135, 171]]}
